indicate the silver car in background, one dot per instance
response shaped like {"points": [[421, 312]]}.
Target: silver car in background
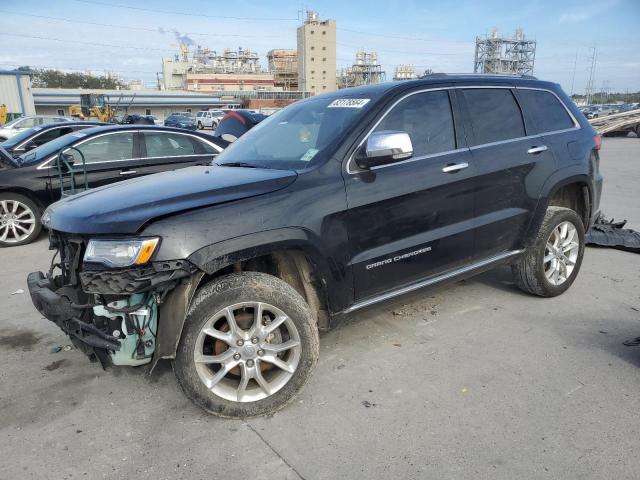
{"points": [[18, 125]]}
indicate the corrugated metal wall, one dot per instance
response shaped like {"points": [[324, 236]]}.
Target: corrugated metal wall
{"points": [[16, 96]]}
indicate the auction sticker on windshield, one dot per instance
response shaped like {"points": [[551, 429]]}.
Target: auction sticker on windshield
{"points": [[349, 103], [309, 155]]}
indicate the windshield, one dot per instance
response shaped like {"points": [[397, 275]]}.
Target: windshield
{"points": [[49, 148], [297, 136], [13, 122], [16, 139]]}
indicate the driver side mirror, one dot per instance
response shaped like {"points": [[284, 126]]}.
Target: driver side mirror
{"points": [[386, 146]]}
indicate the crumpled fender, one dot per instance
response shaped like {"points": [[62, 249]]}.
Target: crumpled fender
{"points": [[172, 313]]}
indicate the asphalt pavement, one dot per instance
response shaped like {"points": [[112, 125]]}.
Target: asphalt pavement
{"points": [[471, 380]]}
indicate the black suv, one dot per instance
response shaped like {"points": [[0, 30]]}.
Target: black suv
{"points": [[329, 206]]}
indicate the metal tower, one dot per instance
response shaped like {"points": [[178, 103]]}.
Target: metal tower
{"points": [[512, 55]]}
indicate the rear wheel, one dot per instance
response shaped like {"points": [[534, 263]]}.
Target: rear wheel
{"points": [[248, 346], [551, 264], [19, 220]]}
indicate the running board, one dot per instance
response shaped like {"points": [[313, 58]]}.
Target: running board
{"points": [[433, 280]]}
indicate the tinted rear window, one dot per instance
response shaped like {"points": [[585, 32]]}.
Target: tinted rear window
{"points": [[546, 110], [495, 114]]}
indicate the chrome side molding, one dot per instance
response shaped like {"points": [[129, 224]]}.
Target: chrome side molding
{"points": [[432, 280]]}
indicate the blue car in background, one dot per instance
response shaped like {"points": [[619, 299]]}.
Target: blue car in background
{"points": [[180, 120]]}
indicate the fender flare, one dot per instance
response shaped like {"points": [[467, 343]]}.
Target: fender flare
{"points": [[212, 258], [558, 180], [216, 256]]}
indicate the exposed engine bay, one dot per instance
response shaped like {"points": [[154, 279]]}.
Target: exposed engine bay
{"points": [[112, 315]]}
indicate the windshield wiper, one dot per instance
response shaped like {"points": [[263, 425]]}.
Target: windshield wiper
{"points": [[236, 164]]}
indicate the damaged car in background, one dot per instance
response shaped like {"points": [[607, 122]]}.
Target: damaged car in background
{"points": [[329, 206]]}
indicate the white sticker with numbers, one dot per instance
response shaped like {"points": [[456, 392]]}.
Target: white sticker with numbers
{"points": [[349, 103]]}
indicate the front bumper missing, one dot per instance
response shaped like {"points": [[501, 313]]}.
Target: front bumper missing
{"points": [[64, 313]]}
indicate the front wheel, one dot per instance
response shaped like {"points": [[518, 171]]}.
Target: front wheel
{"points": [[19, 220], [551, 264], [200, 127], [248, 346]]}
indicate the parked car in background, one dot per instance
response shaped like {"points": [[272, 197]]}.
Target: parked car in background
{"points": [[335, 204], [209, 119], [29, 183], [600, 111], [136, 119], [35, 137], [236, 123], [180, 120], [14, 127]]}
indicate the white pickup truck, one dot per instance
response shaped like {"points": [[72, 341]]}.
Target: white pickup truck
{"points": [[209, 119]]}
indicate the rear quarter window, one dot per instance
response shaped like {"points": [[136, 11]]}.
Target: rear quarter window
{"points": [[545, 109], [494, 114]]}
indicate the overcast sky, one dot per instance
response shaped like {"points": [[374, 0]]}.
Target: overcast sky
{"points": [[437, 35]]}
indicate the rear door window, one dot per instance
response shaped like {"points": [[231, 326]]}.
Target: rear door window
{"points": [[116, 146], [168, 145], [546, 110], [428, 120], [494, 114]]}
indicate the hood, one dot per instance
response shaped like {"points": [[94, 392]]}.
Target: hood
{"points": [[124, 207]]}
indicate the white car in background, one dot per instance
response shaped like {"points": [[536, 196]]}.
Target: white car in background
{"points": [[209, 119], [16, 126]]}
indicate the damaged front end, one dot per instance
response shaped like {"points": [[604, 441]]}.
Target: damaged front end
{"points": [[109, 296]]}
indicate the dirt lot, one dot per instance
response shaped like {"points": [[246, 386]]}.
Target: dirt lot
{"points": [[474, 380]]}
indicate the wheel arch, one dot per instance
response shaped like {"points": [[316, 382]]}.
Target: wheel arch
{"points": [[555, 192], [288, 255]]}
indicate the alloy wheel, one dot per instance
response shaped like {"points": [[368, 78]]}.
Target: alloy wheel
{"points": [[17, 221], [247, 351], [561, 253]]}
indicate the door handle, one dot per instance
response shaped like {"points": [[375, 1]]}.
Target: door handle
{"points": [[535, 150], [455, 167], [127, 172]]}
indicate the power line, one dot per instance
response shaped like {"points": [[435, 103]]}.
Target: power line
{"points": [[225, 35], [127, 27], [384, 35], [78, 42], [187, 14]]}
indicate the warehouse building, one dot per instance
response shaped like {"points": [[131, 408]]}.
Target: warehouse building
{"points": [[160, 104], [16, 94]]}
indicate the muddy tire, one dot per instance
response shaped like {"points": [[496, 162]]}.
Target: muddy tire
{"points": [[249, 345], [19, 220], [551, 264]]}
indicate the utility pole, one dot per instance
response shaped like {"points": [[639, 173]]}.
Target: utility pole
{"points": [[573, 77], [592, 71]]}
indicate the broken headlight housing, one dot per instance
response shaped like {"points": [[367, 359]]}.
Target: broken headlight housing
{"points": [[121, 252]]}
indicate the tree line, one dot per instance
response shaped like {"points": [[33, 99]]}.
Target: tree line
{"points": [[47, 78]]}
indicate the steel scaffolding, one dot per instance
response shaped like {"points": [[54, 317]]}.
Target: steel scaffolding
{"points": [[512, 55]]}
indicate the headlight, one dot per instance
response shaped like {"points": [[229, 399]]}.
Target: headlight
{"points": [[45, 220], [121, 253]]}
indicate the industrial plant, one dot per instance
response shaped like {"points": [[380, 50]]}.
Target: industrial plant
{"points": [[500, 54], [198, 77], [364, 71]]}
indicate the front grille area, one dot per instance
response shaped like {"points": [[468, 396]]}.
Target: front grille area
{"points": [[70, 250]]}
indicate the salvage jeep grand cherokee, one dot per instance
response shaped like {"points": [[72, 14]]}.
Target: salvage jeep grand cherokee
{"points": [[329, 206]]}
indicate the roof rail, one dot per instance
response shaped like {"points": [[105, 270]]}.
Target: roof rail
{"points": [[444, 75]]}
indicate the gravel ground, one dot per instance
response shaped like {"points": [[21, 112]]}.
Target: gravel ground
{"points": [[470, 380]]}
